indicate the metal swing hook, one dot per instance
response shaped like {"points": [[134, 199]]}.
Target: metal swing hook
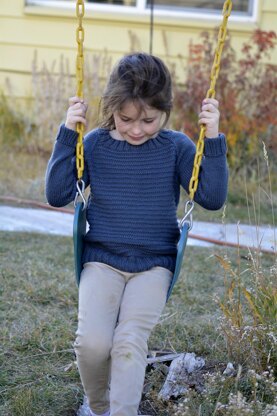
{"points": [[187, 219], [80, 185]]}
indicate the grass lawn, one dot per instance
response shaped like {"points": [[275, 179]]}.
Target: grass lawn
{"points": [[39, 317]]}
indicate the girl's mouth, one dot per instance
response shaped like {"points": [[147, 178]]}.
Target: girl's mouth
{"points": [[136, 138]]}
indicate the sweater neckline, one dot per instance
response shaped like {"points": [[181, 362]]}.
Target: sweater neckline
{"points": [[108, 141]]}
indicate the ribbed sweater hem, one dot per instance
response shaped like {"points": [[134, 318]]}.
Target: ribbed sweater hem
{"points": [[130, 264]]}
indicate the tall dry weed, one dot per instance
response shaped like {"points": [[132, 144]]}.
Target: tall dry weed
{"points": [[249, 305], [249, 309], [52, 88], [14, 124]]}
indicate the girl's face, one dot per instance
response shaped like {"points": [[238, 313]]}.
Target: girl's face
{"points": [[137, 126]]}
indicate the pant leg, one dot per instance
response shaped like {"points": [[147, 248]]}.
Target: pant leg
{"points": [[100, 294], [143, 301]]}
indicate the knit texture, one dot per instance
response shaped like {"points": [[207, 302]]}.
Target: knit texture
{"points": [[135, 192]]}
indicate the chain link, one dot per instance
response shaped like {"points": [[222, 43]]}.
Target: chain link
{"points": [[227, 8], [80, 35]]}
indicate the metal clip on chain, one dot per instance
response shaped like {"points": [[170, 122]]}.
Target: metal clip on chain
{"points": [[80, 194], [188, 216]]}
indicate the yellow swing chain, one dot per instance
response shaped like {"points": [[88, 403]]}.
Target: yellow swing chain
{"points": [[227, 8], [80, 34]]}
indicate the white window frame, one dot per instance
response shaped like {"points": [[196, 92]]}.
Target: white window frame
{"points": [[141, 10]]}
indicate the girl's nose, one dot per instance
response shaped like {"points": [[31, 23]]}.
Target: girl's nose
{"points": [[136, 129]]}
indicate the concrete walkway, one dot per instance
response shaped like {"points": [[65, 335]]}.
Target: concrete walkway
{"points": [[59, 223]]}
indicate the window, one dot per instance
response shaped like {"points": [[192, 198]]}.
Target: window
{"points": [[243, 10], [240, 6], [118, 2]]}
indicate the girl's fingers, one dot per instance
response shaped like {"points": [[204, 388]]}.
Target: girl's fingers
{"points": [[71, 122], [74, 100], [77, 110], [209, 107], [77, 103], [79, 119], [76, 113], [209, 112], [209, 115], [211, 101], [76, 117], [207, 121]]}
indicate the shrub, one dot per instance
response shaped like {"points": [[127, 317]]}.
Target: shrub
{"points": [[13, 124], [246, 90]]}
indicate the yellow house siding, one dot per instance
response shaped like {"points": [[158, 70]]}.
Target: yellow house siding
{"points": [[51, 32], [11, 8], [269, 6], [269, 15]]}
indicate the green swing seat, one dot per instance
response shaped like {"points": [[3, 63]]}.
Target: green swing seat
{"points": [[79, 231], [180, 255]]}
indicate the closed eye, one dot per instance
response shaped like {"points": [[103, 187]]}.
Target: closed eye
{"points": [[126, 119], [148, 120]]}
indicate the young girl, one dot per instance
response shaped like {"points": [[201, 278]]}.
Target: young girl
{"points": [[134, 167]]}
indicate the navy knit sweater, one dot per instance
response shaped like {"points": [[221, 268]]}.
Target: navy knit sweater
{"points": [[135, 192]]}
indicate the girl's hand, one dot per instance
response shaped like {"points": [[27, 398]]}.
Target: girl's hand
{"points": [[76, 113], [209, 116]]}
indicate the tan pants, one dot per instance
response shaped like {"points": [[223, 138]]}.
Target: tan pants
{"points": [[117, 311]]}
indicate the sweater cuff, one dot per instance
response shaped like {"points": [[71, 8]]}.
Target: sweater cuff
{"points": [[215, 147], [67, 136]]}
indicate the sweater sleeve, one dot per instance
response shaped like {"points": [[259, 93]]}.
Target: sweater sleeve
{"points": [[61, 173], [213, 174]]}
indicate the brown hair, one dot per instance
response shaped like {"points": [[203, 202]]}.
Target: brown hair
{"points": [[137, 77]]}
